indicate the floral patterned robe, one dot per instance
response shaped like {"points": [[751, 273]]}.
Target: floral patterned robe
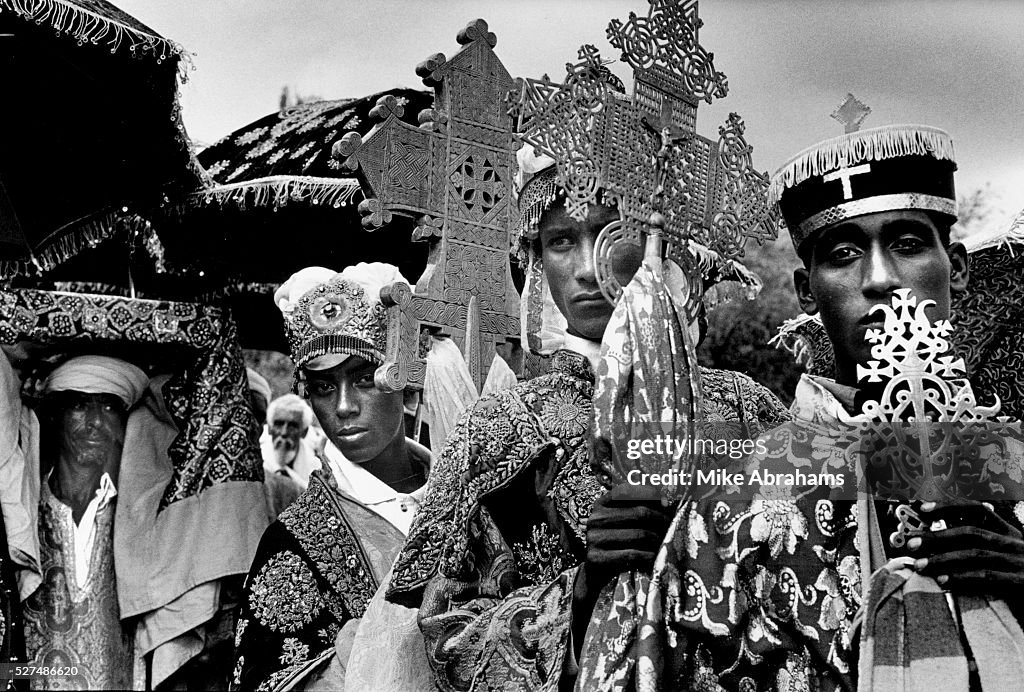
{"points": [[757, 586], [492, 555], [71, 626], [316, 569]]}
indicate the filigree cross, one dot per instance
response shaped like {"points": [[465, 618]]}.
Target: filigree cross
{"points": [[926, 420], [600, 137]]}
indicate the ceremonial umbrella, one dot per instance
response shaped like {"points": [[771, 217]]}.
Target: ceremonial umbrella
{"points": [[279, 202], [91, 127]]}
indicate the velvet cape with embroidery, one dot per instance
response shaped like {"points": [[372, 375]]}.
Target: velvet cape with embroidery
{"points": [[492, 554], [316, 568]]}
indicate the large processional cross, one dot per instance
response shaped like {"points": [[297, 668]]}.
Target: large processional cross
{"points": [[602, 139], [454, 175]]}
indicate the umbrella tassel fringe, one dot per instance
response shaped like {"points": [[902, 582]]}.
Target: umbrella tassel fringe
{"points": [[277, 192], [85, 26], [59, 251]]}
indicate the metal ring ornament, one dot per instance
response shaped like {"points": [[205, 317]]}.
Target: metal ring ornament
{"points": [[613, 259]]}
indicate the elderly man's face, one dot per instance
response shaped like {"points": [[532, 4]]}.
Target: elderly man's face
{"points": [[92, 428], [286, 430]]}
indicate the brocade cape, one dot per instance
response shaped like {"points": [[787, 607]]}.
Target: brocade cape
{"points": [[316, 569], [757, 587], [493, 552]]}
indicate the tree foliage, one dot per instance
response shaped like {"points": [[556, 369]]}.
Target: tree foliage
{"points": [[738, 332]]}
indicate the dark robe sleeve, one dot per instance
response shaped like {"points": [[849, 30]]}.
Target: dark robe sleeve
{"points": [[287, 617]]}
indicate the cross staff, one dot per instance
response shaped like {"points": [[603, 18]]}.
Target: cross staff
{"points": [[712, 194], [454, 174]]}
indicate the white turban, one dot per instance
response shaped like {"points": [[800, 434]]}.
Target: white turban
{"points": [[530, 164], [99, 375], [258, 383], [372, 276]]}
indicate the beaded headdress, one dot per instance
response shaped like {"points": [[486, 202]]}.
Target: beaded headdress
{"points": [[329, 317]]}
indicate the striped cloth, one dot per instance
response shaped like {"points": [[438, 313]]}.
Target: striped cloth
{"points": [[910, 640]]}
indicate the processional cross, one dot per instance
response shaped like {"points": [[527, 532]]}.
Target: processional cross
{"points": [[454, 175], [601, 138], [851, 113]]}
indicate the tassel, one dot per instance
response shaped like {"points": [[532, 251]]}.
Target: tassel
{"points": [[1010, 240], [86, 26], [877, 144], [277, 191], [793, 339], [72, 239]]}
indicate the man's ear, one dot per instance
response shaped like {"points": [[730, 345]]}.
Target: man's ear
{"points": [[802, 284], [959, 271]]}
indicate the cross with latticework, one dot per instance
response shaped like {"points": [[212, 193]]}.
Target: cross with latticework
{"points": [[851, 113], [454, 174], [711, 192]]}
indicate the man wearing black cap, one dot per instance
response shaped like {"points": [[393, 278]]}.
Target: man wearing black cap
{"points": [[791, 585]]}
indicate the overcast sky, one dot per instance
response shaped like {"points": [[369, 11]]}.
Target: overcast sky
{"points": [[954, 65]]}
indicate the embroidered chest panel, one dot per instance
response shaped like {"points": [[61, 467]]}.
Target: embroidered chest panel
{"points": [[321, 528]]}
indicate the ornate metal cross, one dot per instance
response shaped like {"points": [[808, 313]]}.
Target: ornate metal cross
{"points": [[454, 174], [597, 135]]}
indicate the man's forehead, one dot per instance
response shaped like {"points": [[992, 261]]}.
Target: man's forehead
{"points": [[73, 395], [287, 415]]}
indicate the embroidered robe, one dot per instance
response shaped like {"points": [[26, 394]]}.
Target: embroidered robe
{"points": [[757, 586], [316, 569], [69, 626], [493, 552]]}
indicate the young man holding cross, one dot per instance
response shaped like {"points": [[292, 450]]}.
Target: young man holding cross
{"points": [[516, 535], [802, 586]]}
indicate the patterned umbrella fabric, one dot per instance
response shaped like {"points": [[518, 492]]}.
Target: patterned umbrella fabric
{"points": [[280, 202], [94, 129]]}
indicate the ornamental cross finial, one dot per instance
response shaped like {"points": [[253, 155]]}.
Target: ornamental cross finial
{"points": [[851, 113], [453, 174], [926, 423], [642, 150]]}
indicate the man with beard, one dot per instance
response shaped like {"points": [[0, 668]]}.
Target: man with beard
{"points": [[284, 446], [73, 619]]}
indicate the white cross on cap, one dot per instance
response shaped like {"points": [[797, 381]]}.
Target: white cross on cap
{"points": [[844, 175]]}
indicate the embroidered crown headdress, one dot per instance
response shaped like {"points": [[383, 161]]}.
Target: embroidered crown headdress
{"points": [[358, 312]]}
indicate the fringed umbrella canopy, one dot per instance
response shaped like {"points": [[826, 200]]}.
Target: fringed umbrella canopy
{"points": [[279, 201], [92, 127]]}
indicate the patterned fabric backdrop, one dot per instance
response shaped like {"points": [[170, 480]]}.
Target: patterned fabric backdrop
{"points": [[218, 435]]}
